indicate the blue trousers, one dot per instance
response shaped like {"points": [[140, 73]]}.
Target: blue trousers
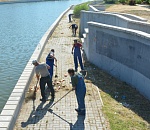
{"points": [[77, 56], [51, 64], [80, 99]]}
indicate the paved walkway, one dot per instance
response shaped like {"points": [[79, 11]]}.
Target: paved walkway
{"points": [[62, 116]]}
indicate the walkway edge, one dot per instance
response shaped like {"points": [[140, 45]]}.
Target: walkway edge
{"points": [[14, 103]]}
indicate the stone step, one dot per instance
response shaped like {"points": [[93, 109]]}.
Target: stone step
{"points": [[86, 30], [84, 35], [82, 39]]}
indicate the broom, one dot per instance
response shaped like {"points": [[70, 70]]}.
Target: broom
{"points": [[56, 76], [35, 88]]}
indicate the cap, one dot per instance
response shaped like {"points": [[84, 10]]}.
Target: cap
{"points": [[34, 61], [75, 39]]}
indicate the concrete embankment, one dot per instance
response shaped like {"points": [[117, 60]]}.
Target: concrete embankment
{"points": [[10, 111]]}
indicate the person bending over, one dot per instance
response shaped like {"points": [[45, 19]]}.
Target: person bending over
{"points": [[42, 74]]}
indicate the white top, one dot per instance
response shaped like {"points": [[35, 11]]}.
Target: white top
{"points": [[42, 70]]}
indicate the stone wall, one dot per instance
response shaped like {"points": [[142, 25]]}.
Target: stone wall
{"points": [[124, 53], [112, 19]]}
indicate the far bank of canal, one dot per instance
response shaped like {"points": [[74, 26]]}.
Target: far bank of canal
{"points": [[22, 25]]}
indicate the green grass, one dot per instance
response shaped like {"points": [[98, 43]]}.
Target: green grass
{"points": [[80, 7]]}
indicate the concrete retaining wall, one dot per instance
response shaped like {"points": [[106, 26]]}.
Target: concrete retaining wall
{"points": [[111, 19], [96, 8], [11, 110], [124, 53]]}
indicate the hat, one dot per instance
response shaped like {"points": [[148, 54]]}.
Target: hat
{"points": [[34, 61], [75, 40]]}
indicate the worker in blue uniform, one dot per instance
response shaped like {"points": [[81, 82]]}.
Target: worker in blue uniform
{"points": [[50, 61], [76, 51], [79, 86]]}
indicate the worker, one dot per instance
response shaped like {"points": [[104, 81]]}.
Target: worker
{"points": [[74, 29], [70, 17], [78, 85], [42, 74], [50, 61], [76, 51]]}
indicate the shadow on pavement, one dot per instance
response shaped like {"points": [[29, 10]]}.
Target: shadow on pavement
{"points": [[37, 115], [79, 124]]}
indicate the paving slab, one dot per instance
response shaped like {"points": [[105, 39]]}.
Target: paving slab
{"points": [[62, 116]]}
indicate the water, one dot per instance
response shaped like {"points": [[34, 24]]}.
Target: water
{"points": [[21, 27]]}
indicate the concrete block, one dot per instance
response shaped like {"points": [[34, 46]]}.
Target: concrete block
{"points": [[10, 107], [5, 118], [4, 125], [26, 72], [19, 87], [7, 112], [16, 94], [12, 102], [14, 98], [21, 84], [86, 30], [24, 77], [82, 39], [84, 35], [18, 90]]}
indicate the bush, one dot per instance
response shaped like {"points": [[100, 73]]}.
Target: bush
{"points": [[138, 1], [110, 1], [80, 7], [122, 1], [132, 2]]}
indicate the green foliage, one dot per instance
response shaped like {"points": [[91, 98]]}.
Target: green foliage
{"points": [[138, 1], [148, 1], [111, 1], [80, 7], [123, 1]]}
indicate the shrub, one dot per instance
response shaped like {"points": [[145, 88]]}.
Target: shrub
{"points": [[132, 2], [110, 1], [122, 1], [138, 1], [80, 7]]}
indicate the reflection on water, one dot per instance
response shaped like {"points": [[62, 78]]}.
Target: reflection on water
{"points": [[21, 27]]}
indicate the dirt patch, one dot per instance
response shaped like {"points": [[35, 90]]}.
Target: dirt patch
{"points": [[136, 10]]}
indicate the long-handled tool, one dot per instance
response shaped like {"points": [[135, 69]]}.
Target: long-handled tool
{"points": [[61, 98], [70, 124], [56, 76], [35, 89]]}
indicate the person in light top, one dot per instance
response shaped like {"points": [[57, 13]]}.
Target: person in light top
{"points": [[42, 74]]}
